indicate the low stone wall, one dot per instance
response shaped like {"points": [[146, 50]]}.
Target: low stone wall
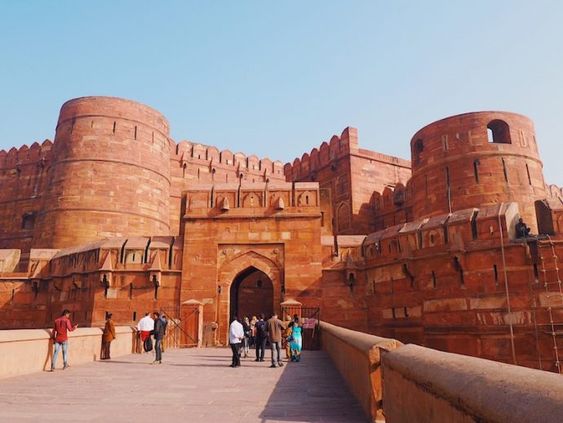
{"points": [[357, 355], [425, 385], [29, 350]]}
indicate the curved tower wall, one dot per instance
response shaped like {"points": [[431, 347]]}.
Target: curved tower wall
{"points": [[110, 174], [456, 166]]}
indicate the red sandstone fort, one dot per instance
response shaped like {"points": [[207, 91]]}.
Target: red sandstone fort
{"points": [[115, 216]]}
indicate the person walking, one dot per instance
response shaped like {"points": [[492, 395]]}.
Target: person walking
{"points": [[107, 336], [144, 327], [261, 334], [286, 340], [165, 323], [60, 336], [246, 339], [275, 330], [296, 342], [158, 332], [253, 331], [236, 335]]}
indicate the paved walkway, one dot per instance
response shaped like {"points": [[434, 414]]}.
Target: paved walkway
{"points": [[192, 385]]}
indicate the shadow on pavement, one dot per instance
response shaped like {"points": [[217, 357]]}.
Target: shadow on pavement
{"points": [[312, 391]]}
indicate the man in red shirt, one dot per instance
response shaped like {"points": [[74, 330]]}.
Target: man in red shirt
{"points": [[60, 337]]}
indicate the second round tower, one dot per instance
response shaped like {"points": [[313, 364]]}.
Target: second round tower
{"points": [[476, 159]]}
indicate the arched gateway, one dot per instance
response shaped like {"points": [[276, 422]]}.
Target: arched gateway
{"points": [[251, 293], [250, 283], [249, 247]]}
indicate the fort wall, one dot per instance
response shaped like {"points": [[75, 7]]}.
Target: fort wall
{"points": [[193, 163], [23, 177], [352, 175], [125, 276], [457, 282], [440, 265]]}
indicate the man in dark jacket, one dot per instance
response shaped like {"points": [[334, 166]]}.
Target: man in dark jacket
{"points": [[159, 329], [260, 339], [165, 323]]}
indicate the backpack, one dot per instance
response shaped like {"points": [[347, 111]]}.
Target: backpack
{"points": [[261, 329], [147, 345]]}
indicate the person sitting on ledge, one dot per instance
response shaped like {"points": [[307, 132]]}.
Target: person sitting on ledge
{"points": [[522, 230]]}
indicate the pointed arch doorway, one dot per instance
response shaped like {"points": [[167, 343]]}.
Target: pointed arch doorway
{"points": [[251, 293]]}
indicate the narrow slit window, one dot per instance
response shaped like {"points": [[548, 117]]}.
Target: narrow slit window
{"points": [[476, 170], [495, 272], [434, 279], [448, 189], [114, 127], [135, 133], [528, 173], [504, 170]]}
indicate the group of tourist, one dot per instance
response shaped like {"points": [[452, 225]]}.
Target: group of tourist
{"points": [[258, 332], [153, 325], [149, 326]]}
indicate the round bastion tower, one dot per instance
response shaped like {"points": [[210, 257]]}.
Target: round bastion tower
{"points": [[476, 159], [110, 174]]}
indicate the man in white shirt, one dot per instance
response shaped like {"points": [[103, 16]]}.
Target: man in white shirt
{"points": [[145, 326], [236, 334]]}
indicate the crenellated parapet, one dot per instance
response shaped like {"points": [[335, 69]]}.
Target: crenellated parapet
{"points": [[325, 155], [554, 192], [188, 153], [16, 157], [467, 229], [392, 206], [329, 153]]}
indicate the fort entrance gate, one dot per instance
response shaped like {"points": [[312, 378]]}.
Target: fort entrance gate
{"points": [[251, 294]]}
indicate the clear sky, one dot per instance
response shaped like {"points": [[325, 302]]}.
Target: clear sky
{"points": [[278, 78]]}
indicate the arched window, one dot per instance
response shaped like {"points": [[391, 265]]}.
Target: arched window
{"points": [[418, 146], [498, 132]]}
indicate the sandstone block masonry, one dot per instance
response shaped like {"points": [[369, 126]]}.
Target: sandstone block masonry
{"points": [[116, 216]]}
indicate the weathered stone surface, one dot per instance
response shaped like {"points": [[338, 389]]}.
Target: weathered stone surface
{"points": [[132, 221]]}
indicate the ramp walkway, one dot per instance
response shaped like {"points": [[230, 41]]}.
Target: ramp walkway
{"points": [[191, 385]]}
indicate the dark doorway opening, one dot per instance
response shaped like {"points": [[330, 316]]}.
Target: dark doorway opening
{"points": [[252, 293]]}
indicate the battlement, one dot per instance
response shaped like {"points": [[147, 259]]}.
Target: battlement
{"points": [[189, 152], [554, 191], [458, 231], [330, 152], [146, 254], [318, 158], [25, 155]]}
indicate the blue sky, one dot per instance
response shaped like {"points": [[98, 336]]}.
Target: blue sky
{"points": [[278, 78]]}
